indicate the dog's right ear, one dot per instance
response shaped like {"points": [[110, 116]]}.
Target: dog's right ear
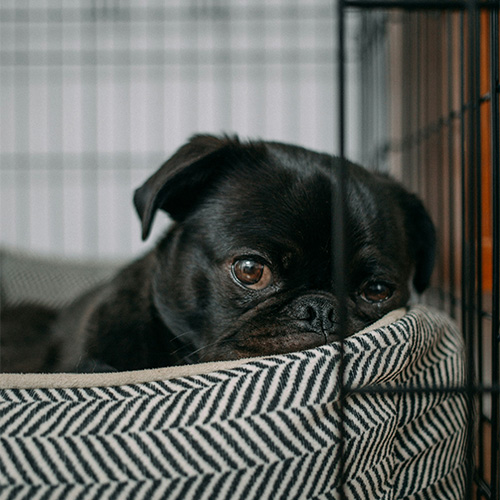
{"points": [[177, 184], [422, 239]]}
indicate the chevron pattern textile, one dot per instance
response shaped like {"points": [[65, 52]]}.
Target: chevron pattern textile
{"points": [[271, 428]]}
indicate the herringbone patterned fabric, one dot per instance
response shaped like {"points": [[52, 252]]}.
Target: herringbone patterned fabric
{"points": [[277, 428], [48, 281]]}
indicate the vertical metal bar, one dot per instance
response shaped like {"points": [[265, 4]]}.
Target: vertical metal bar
{"points": [[409, 98], [470, 277], [478, 161], [495, 327], [338, 240], [374, 96], [463, 228], [475, 146], [439, 153], [425, 164], [451, 171], [371, 92], [425, 99], [405, 97], [411, 101], [364, 93], [465, 252], [416, 173], [380, 114], [387, 143], [368, 111]]}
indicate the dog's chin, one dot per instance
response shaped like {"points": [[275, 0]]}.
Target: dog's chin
{"points": [[267, 340]]}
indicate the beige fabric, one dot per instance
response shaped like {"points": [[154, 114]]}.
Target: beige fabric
{"points": [[47, 280]]}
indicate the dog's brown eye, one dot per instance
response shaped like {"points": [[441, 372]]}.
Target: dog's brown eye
{"points": [[376, 292], [252, 274]]}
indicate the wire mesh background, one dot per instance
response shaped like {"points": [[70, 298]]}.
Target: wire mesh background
{"points": [[96, 95], [440, 94]]}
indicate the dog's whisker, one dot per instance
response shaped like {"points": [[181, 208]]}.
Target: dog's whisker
{"points": [[218, 343], [180, 335]]}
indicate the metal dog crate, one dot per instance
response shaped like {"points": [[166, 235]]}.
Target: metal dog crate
{"points": [[95, 95], [434, 66]]}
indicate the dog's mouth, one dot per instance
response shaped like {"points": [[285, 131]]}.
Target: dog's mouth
{"points": [[249, 340], [279, 325]]}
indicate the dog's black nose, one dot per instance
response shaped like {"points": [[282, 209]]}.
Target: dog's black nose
{"points": [[316, 312]]}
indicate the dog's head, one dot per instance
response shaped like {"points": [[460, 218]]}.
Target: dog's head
{"points": [[247, 268]]}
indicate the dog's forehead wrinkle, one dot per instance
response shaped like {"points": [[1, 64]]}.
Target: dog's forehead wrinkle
{"points": [[279, 248], [281, 223], [280, 200]]}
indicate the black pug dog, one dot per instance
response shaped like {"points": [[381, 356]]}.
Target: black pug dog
{"points": [[246, 268]]}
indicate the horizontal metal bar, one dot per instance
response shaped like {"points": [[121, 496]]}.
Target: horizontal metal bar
{"points": [[460, 389], [422, 5]]}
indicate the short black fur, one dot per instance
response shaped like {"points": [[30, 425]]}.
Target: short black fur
{"points": [[266, 208]]}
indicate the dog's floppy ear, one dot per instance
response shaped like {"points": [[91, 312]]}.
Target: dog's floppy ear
{"points": [[421, 239], [175, 186]]}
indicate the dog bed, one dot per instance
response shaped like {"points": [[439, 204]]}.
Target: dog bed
{"points": [[275, 427]]}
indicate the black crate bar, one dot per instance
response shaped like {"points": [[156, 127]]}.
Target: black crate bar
{"points": [[338, 226], [471, 256], [495, 323], [468, 292], [449, 119]]}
